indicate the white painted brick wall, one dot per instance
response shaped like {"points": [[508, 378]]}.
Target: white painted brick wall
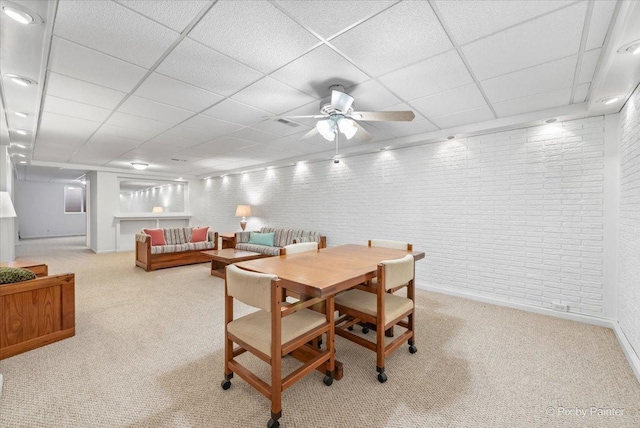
{"points": [[515, 215], [629, 222]]}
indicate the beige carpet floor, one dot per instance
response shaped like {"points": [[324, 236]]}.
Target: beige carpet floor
{"points": [[148, 352]]}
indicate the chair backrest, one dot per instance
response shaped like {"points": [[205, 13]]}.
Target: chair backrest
{"points": [[251, 288], [398, 271], [299, 248], [386, 243]]}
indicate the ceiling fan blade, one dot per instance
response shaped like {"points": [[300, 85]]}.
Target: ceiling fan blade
{"points": [[310, 134], [362, 134], [341, 101], [310, 116], [396, 116]]}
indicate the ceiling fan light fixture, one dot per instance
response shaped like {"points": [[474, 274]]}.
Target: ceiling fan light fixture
{"points": [[326, 128], [347, 127], [139, 165]]}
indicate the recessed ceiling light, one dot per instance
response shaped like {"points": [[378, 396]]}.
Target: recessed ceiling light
{"points": [[22, 146], [609, 100], [20, 114], [20, 80], [139, 165], [21, 132], [451, 137], [552, 120], [18, 15], [23, 162], [21, 155], [632, 47]]}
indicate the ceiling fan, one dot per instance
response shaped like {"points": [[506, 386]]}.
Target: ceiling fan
{"points": [[339, 116]]}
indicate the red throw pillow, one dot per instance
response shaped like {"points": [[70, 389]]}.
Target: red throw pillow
{"points": [[157, 236], [199, 234]]}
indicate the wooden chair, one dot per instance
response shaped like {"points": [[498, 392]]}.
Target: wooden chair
{"points": [[272, 332], [363, 304], [298, 248]]}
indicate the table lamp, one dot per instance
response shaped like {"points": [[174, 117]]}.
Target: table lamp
{"points": [[243, 211]]}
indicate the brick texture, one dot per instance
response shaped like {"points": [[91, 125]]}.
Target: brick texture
{"points": [[515, 215], [629, 222]]}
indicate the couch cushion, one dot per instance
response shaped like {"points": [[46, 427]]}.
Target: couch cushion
{"points": [[177, 235], [263, 249], [9, 275], [285, 237], [157, 236], [163, 249], [262, 238], [199, 234]]}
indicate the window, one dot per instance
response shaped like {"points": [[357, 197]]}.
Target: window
{"points": [[74, 199]]}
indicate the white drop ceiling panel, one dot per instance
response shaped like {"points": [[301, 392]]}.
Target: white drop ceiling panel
{"points": [[154, 146], [255, 33], [543, 39], [250, 134], [137, 122], [110, 28], [322, 61], [280, 129], [218, 146], [260, 95], [71, 108], [531, 103], [451, 101], [401, 129], [175, 14], [77, 61], [370, 95], [553, 75], [67, 125], [196, 64], [472, 19], [170, 91], [236, 112], [329, 19], [83, 92], [399, 36], [437, 74], [154, 110], [599, 24], [588, 68], [479, 114], [119, 131], [211, 125]]}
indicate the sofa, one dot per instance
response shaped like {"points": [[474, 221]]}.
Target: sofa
{"points": [[162, 248], [35, 310], [281, 237]]}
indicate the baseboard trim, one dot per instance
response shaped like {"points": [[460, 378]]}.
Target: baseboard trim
{"points": [[627, 349], [629, 352], [0, 385]]}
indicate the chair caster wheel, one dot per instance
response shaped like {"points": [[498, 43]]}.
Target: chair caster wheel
{"points": [[365, 330], [328, 380], [413, 349], [382, 377], [225, 384], [273, 424], [350, 328]]}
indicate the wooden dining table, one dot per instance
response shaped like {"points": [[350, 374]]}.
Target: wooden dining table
{"points": [[324, 273]]}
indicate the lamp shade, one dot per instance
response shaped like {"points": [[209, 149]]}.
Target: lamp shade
{"points": [[243, 211], [157, 210], [6, 206]]}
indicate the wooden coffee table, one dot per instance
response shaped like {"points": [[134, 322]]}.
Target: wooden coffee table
{"points": [[221, 258]]}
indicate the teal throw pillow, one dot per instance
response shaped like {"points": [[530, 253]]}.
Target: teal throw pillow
{"points": [[262, 238], [9, 275]]}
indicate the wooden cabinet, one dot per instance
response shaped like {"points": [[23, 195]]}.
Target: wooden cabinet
{"points": [[36, 313]]}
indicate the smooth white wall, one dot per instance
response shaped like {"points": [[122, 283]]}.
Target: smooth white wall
{"points": [[629, 223], [8, 230], [513, 216], [40, 209]]}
